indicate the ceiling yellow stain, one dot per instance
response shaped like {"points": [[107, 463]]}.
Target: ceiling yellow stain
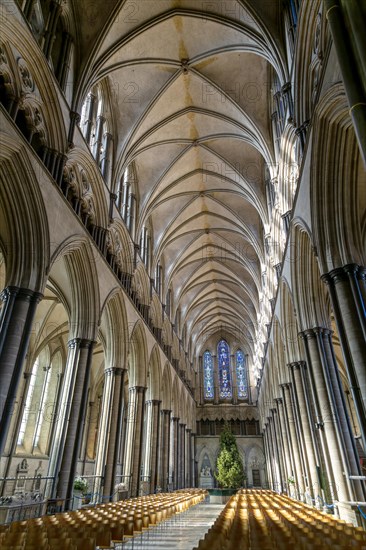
{"points": [[166, 69], [202, 64], [183, 53], [178, 24]]}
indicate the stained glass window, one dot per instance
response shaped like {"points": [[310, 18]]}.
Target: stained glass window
{"points": [[223, 356], [208, 375], [241, 375]]}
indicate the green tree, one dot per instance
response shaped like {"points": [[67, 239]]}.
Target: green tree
{"points": [[229, 467]]}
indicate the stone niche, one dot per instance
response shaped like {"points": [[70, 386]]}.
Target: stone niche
{"points": [[206, 479]]}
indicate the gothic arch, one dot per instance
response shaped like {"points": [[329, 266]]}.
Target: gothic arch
{"points": [[154, 375], [138, 357], [290, 324], [166, 391], [24, 226], [92, 184], [338, 184], [309, 290], [115, 330], [40, 72], [76, 264]]}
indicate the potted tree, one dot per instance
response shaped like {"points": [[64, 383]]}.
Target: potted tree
{"points": [[80, 489], [229, 468]]}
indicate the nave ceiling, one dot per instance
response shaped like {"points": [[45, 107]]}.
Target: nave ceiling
{"points": [[189, 91]]}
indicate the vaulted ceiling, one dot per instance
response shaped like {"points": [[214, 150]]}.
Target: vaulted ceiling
{"points": [[190, 88]]}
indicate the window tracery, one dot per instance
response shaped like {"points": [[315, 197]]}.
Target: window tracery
{"points": [[208, 375]]}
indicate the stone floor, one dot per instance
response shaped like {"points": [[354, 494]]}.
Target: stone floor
{"points": [[181, 532]]}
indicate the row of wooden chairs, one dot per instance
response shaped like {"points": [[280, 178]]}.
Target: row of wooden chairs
{"points": [[263, 519], [102, 526]]}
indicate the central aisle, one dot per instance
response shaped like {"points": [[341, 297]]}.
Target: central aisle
{"points": [[180, 532]]}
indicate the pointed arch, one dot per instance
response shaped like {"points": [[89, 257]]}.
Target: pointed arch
{"points": [[137, 372], [24, 229]]}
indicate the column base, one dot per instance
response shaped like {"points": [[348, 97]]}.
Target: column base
{"points": [[349, 511]]}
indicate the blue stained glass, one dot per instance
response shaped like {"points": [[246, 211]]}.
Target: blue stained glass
{"points": [[224, 370], [208, 381], [241, 375]]}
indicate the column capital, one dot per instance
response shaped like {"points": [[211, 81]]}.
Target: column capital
{"points": [[71, 344], [165, 411], [137, 389], [361, 273], [23, 293], [175, 419], [285, 385], [86, 343], [278, 400], [182, 425], [351, 269], [188, 430], [116, 371], [296, 365], [75, 116], [286, 87], [153, 402], [314, 332], [339, 274]]}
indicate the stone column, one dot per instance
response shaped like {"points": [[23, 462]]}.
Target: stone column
{"points": [[63, 65], [106, 161], [325, 414], [98, 138], [193, 459], [299, 434], [89, 120], [173, 459], [289, 470], [276, 476], [350, 68], [103, 430], [28, 8], [268, 455], [188, 455], [346, 289], [182, 449], [152, 441], [73, 421], [312, 465], [114, 439], [276, 446], [15, 328], [289, 416], [163, 448], [132, 462], [342, 421], [50, 29], [86, 431]]}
